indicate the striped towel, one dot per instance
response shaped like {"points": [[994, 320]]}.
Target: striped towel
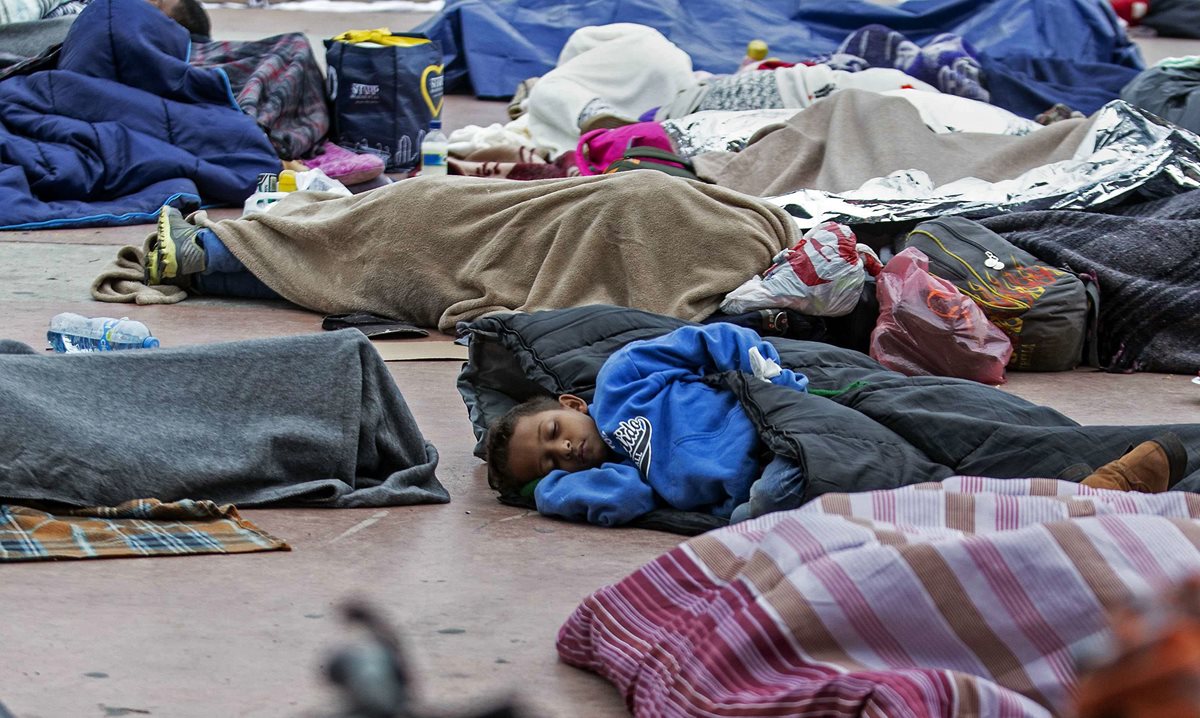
{"points": [[142, 527], [961, 598]]}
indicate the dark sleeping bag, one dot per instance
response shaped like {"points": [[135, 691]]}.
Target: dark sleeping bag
{"points": [[860, 427]]}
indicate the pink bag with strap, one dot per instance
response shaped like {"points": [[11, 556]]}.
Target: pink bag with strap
{"points": [[600, 148]]}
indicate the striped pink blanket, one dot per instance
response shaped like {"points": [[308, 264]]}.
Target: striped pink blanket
{"points": [[963, 598]]}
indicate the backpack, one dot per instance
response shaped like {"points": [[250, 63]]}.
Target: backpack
{"points": [[1047, 312]]}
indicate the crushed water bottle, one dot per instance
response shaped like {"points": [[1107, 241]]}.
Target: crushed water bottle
{"points": [[70, 333]]}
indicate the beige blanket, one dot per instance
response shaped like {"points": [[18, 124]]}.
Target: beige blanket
{"points": [[854, 136], [123, 281], [436, 251]]}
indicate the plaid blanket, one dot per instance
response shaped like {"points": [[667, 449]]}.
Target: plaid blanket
{"points": [[968, 597], [143, 527], [278, 82]]}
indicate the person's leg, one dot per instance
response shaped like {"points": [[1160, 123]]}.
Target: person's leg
{"points": [[184, 254], [781, 487], [1151, 467], [243, 285], [224, 274], [218, 258]]}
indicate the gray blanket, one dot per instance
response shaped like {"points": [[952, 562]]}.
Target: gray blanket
{"points": [[312, 420], [854, 136], [436, 251], [1142, 255], [21, 40]]}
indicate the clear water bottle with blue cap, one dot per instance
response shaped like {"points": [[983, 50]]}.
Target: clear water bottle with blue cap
{"points": [[70, 333], [434, 151]]}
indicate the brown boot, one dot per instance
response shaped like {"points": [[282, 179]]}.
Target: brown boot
{"points": [[1151, 467]]}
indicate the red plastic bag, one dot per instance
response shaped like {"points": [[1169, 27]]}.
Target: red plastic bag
{"points": [[926, 326]]}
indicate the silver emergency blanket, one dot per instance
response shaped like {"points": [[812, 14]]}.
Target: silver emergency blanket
{"points": [[1127, 149], [720, 130]]}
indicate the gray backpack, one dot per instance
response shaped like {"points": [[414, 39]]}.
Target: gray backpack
{"points": [[1049, 313]]}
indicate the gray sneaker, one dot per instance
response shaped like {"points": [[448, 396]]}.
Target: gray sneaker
{"points": [[175, 252]]}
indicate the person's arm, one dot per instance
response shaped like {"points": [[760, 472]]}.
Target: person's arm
{"points": [[688, 353], [610, 495]]}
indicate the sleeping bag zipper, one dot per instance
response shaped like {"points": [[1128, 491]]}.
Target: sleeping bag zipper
{"points": [[984, 282]]}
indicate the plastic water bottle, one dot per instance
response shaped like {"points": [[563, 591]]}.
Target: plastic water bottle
{"points": [[434, 149], [70, 333]]}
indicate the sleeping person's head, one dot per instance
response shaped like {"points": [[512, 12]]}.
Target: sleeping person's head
{"points": [[540, 436], [189, 13]]}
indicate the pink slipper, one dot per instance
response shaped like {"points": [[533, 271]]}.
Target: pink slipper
{"points": [[345, 166]]}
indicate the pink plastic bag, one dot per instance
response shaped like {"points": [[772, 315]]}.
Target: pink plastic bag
{"points": [[600, 148], [927, 327]]}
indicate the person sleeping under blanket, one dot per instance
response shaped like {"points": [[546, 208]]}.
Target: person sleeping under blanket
{"points": [[436, 251], [40, 37], [314, 420], [661, 432]]}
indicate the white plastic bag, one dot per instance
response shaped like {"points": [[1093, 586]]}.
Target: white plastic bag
{"points": [[314, 180], [822, 276]]}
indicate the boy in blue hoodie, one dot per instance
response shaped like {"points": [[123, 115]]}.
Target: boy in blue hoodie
{"points": [[655, 433]]}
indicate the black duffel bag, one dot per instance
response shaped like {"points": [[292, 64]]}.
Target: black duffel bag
{"points": [[1049, 313]]}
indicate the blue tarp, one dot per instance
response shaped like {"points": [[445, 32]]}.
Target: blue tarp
{"points": [[495, 44], [123, 126]]}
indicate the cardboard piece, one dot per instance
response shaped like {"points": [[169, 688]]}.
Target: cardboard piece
{"points": [[409, 350]]}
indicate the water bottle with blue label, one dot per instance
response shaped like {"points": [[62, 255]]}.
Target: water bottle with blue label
{"points": [[70, 333], [434, 149]]}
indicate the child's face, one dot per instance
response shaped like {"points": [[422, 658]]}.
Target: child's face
{"points": [[565, 438]]}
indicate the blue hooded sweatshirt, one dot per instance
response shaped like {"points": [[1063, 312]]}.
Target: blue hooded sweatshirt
{"points": [[681, 442]]}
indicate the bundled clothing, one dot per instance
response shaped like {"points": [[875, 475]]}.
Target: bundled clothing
{"points": [[122, 127], [682, 442], [278, 82]]}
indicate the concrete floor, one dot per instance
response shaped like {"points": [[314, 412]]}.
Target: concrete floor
{"points": [[478, 589]]}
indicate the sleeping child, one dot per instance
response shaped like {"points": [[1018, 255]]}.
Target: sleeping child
{"points": [[658, 434]]}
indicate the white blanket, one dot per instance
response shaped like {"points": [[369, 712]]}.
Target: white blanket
{"points": [[618, 70]]}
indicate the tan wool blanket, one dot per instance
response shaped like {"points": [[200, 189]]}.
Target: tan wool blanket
{"points": [[853, 136], [436, 251]]}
